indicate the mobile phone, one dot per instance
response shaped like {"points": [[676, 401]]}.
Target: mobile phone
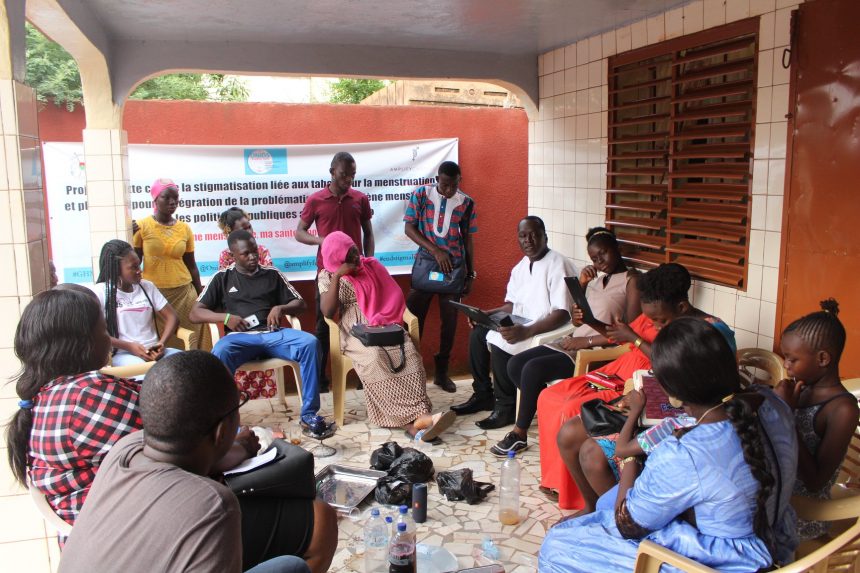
{"points": [[154, 348], [251, 321], [506, 321]]}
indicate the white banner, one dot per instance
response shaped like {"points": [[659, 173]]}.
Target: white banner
{"points": [[271, 183]]}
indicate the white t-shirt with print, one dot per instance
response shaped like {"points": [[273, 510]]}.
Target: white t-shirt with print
{"points": [[135, 319]]}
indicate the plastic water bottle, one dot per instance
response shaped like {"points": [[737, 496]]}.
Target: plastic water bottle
{"points": [[401, 555], [376, 533], [509, 491], [404, 517]]}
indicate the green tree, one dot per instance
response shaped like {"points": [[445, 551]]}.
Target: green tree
{"points": [[53, 74], [349, 90]]}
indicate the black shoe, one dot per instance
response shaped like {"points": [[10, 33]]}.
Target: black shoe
{"points": [[512, 442], [498, 419], [445, 384], [474, 404]]}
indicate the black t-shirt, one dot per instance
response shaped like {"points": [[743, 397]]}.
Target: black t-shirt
{"points": [[243, 295]]}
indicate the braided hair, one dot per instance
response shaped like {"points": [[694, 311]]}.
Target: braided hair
{"points": [[693, 362], [822, 330], [109, 273], [228, 219], [668, 283]]}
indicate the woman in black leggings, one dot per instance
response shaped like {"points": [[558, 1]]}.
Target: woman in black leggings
{"points": [[611, 297]]}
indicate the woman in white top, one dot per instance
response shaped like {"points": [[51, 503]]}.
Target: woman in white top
{"points": [[130, 305], [610, 288]]}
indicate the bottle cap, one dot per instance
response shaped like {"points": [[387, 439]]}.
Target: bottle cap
{"points": [[401, 527], [388, 519], [374, 512], [512, 454], [403, 509]]}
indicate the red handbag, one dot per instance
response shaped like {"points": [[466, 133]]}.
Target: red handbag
{"points": [[605, 381]]}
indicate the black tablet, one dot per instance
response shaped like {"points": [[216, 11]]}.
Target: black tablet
{"points": [[578, 294]]}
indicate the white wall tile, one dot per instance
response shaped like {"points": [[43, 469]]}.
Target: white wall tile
{"points": [[766, 31], [759, 181], [594, 74], [570, 99], [737, 10], [715, 13], [558, 107], [771, 249], [776, 177], [765, 68], [594, 100], [782, 27], [754, 274], [558, 83], [694, 17], [558, 60], [763, 103], [674, 23], [569, 132], [724, 306], [767, 319], [581, 52], [747, 313], [581, 125], [745, 338], [781, 74], [762, 141], [773, 222], [623, 39], [656, 28], [594, 125], [609, 46], [638, 34], [595, 48], [582, 77], [541, 64], [769, 283], [581, 102], [549, 62], [758, 7], [758, 217], [570, 147], [703, 298], [756, 250], [787, 3], [570, 80], [765, 342]]}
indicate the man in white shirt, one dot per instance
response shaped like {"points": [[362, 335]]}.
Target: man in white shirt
{"points": [[536, 291]]}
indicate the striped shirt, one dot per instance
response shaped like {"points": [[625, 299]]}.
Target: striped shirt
{"points": [[442, 220]]}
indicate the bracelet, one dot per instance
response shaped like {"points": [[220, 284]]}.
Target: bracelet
{"points": [[638, 342], [226, 319], [590, 340], [629, 459]]}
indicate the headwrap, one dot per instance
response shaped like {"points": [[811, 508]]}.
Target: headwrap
{"points": [[158, 188], [379, 297]]}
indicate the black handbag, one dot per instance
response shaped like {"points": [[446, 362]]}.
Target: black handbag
{"points": [[289, 475], [382, 336], [600, 420], [428, 277]]}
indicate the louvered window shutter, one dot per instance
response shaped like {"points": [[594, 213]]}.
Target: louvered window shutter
{"points": [[681, 132]]}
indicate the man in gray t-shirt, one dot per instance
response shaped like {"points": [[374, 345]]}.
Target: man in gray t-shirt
{"points": [[151, 506]]}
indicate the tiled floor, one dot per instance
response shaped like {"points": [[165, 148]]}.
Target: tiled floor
{"points": [[460, 528], [457, 526]]}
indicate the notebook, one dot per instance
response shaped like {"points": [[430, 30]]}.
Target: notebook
{"points": [[657, 406]]}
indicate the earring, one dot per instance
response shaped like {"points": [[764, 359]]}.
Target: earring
{"points": [[675, 403]]}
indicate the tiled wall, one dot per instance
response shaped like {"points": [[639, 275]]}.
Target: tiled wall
{"points": [[568, 148], [25, 545]]}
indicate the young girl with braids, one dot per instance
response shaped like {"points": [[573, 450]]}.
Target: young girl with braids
{"points": [[235, 219], [703, 492], [825, 412], [130, 305]]}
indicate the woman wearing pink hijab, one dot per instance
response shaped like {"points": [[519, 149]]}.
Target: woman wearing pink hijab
{"points": [[359, 290]]}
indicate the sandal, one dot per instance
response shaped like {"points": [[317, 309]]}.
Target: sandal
{"points": [[549, 492], [441, 422]]}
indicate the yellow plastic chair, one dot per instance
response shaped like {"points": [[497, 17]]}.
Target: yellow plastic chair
{"points": [[53, 520], [277, 365], [588, 356], [842, 554], [130, 371], [341, 365], [852, 385], [763, 361]]}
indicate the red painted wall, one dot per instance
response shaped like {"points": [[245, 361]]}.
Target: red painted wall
{"points": [[493, 158]]}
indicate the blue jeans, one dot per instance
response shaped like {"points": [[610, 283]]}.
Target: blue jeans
{"points": [[238, 348], [282, 564]]}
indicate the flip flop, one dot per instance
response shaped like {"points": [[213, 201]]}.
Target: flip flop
{"points": [[440, 425], [435, 441]]}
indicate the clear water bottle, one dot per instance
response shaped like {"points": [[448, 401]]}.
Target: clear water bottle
{"points": [[404, 517], [376, 533], [509, 491], [401, 554]]}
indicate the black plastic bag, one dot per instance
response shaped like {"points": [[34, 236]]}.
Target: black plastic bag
{"points": [[393, 491], [458, 485], [383, 456], [412, 467]]}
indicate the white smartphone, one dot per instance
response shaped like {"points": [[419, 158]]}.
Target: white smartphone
{"points": [[251, 321]]}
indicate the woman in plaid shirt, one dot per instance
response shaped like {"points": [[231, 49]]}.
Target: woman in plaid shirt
{"points": [[69, 413]]}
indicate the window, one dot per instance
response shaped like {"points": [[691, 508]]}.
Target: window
{"points": [[681, 133]]}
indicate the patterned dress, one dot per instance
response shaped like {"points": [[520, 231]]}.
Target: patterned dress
{"points": [[804, 418], [393, 400]]}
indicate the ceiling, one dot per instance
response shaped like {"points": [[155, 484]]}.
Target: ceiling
{"points": [[493, 40]]}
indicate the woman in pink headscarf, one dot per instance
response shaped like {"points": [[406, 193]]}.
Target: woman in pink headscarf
{"points": [[359, 290]]}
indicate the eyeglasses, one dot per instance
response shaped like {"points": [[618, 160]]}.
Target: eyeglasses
{"points": [[243, 399]]}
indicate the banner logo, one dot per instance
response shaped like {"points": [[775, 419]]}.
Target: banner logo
{"points": [[265, 161]]}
